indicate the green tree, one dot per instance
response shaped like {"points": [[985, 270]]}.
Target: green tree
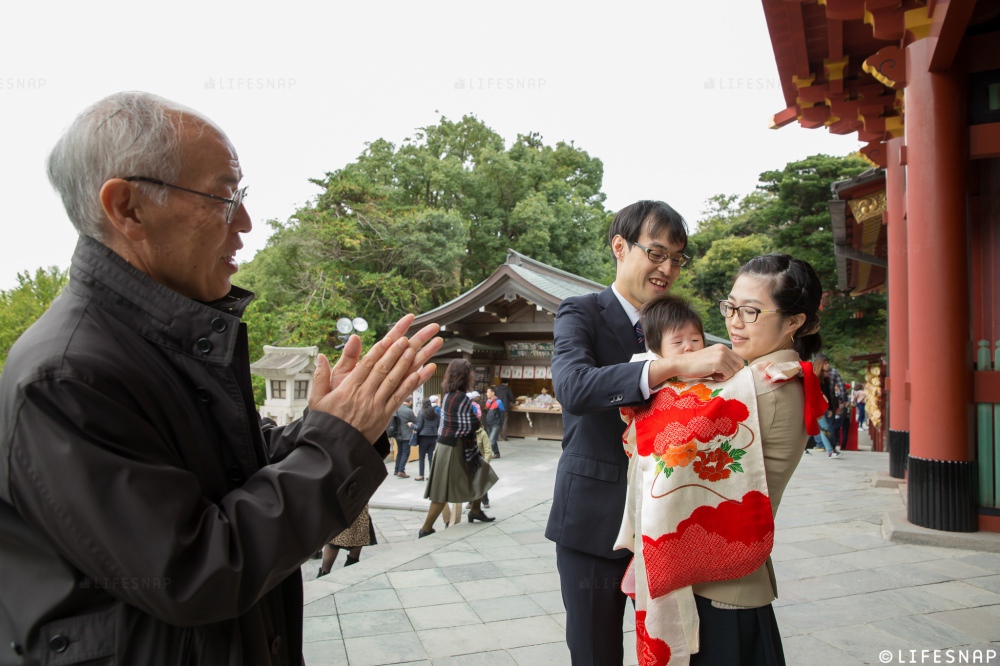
{"points": [[407, 228], [22, 305]]}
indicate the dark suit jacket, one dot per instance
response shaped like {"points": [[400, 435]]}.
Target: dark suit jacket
{"points": [[506, 396], [594, 340]]}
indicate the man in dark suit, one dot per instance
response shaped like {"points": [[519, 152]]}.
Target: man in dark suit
{"points": [[595, 337], [507, 398]]}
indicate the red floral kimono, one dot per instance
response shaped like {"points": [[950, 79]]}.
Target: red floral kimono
{"points": [[698, 507]]}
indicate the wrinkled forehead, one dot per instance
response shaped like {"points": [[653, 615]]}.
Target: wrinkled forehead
{"points": [[202, 142], [194, 126]]}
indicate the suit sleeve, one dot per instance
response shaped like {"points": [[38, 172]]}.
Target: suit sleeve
{"points": [[588, 368], [120, 504], [593, 380]]}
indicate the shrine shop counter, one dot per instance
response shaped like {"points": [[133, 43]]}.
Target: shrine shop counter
{"points": [[537, 422]]}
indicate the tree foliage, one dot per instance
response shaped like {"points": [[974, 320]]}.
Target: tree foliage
{"points": [[22, 305], [407, 228]]}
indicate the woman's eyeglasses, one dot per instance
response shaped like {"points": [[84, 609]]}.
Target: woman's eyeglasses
{"points": [[746, 313]]}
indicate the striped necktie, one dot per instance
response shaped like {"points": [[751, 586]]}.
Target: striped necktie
{"points": [[639, 336]]}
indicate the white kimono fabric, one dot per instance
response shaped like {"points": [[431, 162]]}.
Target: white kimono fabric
{"points": [[697, 508]]}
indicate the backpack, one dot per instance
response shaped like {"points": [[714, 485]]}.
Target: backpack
{"points": [[393, 429], [492, 416]]}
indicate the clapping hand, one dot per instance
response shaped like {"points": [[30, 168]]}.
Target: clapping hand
{"points": [[366, 391]]}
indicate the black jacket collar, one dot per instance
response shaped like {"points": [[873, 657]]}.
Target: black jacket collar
{"points": [[206, 331]]}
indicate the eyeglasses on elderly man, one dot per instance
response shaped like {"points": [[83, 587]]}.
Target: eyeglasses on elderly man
{"points": [[234, 203]]}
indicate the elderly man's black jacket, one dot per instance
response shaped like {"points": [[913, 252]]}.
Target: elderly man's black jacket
{"points": [[143, 517]]}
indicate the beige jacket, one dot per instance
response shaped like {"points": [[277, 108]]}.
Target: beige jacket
{"points": [[783, 431]]}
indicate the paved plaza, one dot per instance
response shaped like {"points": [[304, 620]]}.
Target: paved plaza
{"points": [[489, 593]]}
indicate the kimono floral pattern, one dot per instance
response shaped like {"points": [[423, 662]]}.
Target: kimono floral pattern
{"points": [[681, 417], [698, 508], [651, 651]]}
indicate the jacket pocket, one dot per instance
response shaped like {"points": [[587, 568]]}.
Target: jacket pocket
{"points": [[593, 468], [78, 640]]}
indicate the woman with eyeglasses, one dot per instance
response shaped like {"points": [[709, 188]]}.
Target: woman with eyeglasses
{"points": [[772, 315]]}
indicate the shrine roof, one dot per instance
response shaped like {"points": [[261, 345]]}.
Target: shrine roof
{"points": [[519, 279], [282, 361]]}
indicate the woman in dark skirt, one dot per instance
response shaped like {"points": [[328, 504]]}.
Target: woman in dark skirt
{"points": [[772, 315], [458, 472], [361, 533]]}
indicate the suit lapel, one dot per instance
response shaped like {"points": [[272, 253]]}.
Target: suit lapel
{"points": [[618, 323]]}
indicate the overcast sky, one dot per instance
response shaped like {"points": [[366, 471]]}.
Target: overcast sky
{"points": [[673, 97]]}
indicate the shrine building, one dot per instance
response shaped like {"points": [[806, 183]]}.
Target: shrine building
{"points": [[918, 81]]}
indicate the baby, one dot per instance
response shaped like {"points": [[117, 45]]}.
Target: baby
{"points": [[671, 327]]}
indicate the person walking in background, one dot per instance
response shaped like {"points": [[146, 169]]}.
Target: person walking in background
{"points": [[859, 398], [427, 429], [595, 338], [392, 432], [458, 472], [505, 395], [840, 421], [486, 451], [846, 417], [493, 419], [451, 513], [406, 419], [361, 533], [827, 434], [477, 407]]}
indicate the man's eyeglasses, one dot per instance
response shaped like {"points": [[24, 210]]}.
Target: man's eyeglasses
{"points": [[746, 313], [234, 203], [679, 260]]}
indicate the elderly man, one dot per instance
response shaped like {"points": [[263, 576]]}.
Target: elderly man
{"points": [[144, 516]]}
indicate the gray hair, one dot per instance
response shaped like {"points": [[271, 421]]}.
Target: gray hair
{"points": [[125, 134]]}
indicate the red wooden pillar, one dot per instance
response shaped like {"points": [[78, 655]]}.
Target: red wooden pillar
{"points": [[941, 472], [899, 311]]}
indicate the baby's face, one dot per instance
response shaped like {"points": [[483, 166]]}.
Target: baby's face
{"points": [[681, 341]]}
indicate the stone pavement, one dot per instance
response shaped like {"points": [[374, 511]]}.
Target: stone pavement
{"points": [[489, 594]]}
